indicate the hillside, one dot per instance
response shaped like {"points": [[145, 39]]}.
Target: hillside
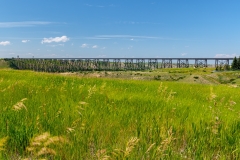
{"points": [[66, 116]]}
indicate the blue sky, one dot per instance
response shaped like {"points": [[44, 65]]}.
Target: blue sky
{"points": [[119, 28]]}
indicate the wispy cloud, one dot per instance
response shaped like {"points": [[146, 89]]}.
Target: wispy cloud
{"points": [[130, 47], [135, 22], [55, 45], [226, 55], [23, 24], [100, 6], [95, 46], [30, 54], [183, 54], [90, 5], [125, 36], [56, 39], [95, 38], [25, 41], [84, 45], [5, 43], [102, 56]]}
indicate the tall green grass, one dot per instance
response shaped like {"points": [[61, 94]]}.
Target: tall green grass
{"points": [[69, 117]]}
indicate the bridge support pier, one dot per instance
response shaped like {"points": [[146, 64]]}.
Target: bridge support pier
{"points": [[116, 64], [152, 63], [105, 64], [221, 63], [128, 65], [182, 63], [167, 63], [200, 63], [140, 64]]}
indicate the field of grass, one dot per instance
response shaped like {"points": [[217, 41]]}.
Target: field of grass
{"points": [[55, 116], [187, 75]]}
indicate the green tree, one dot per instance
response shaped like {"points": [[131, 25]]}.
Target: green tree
{"points": [[238, 62], [226, 67], [235, 64]]}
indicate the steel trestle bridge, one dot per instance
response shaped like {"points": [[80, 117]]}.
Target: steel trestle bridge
{"points": [[82, 64]]}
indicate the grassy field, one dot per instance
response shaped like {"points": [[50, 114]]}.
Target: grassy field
{"points": [[79, 116], [187, 75]]}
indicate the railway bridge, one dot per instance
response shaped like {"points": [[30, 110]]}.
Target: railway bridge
{"points": [[82, 64]]}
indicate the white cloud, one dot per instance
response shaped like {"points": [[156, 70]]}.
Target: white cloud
{"points": [[100, 38], [4, 43], [55, 45], [25, 41], [89, 5], [130, 47], [22, 24], [95, 46], [84, 45], [134, 37], [130, 37], [125, 36], [226, 55], [56, 39], [183, 54], [102, 56], [136, 22], [99, 6]]}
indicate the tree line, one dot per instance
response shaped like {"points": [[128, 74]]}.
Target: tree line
{"points": [[236, 63]]}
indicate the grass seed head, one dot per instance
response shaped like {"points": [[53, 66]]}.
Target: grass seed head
{"points": [[83, 103], [54, 140], [45, 150], [130, 146], [150, 147], [70, 130], [19, 105], [3, 141], [102, 154], [41, 138], [40, 145]]}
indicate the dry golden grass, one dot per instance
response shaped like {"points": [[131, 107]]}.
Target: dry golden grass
{"points": [[41, 144], [165, 144], [102, 155], [131, 144], [20, 105], [3, 141]]}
